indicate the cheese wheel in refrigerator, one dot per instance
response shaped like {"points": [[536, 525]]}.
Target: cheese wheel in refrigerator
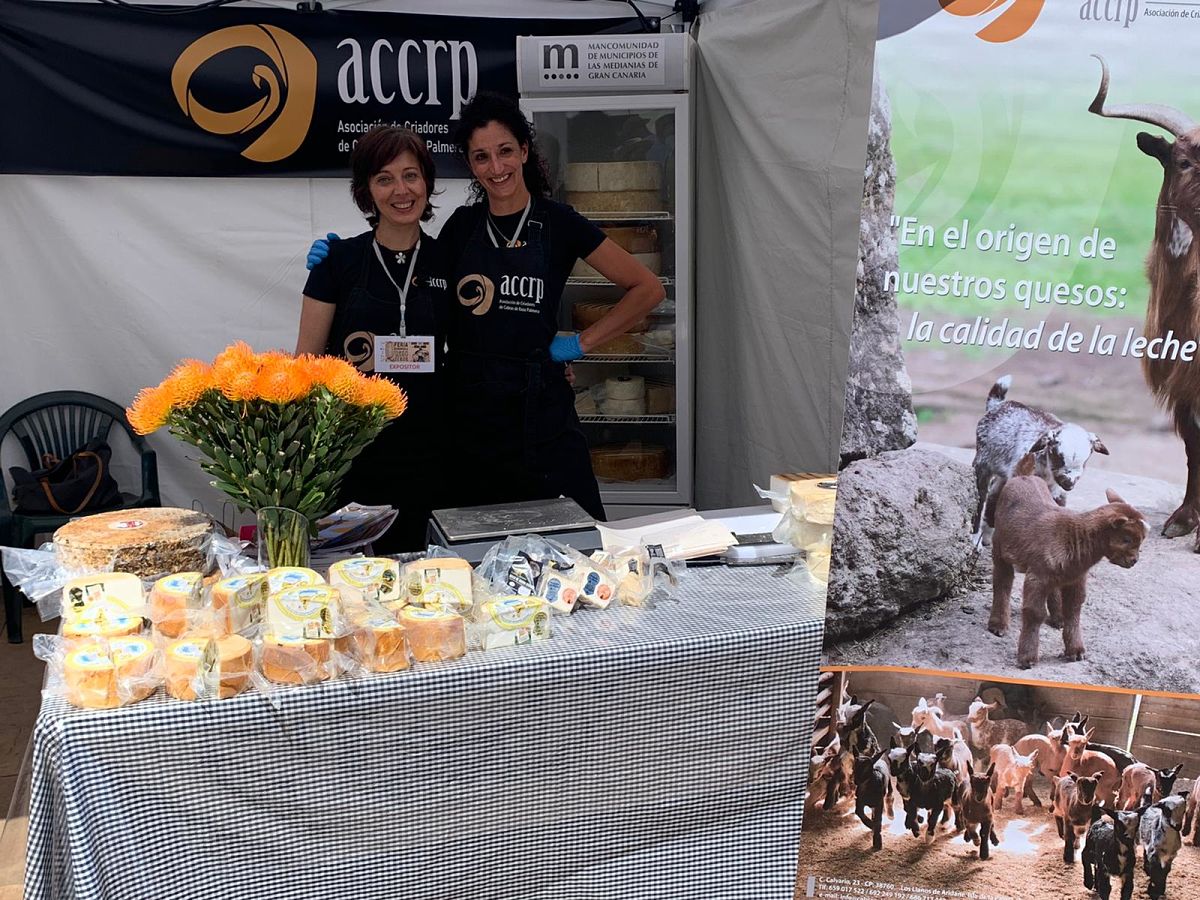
{"points": [[296, 660], [222, 664], [434, 635], [107, 674]]}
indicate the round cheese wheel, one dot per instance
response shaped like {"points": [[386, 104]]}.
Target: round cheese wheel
{"points": [[101, 626], [586, 313], [146, 542], [434, 635], [169, 602], [287, 660], [232, 665], [108, 674], [633, 239], [625, 387], [380, 643]]}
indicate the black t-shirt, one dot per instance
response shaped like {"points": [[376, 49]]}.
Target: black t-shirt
{"points": [[566, 237], [368, 304]]}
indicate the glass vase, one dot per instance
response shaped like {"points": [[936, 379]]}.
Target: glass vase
{"points": [[282, 537]]}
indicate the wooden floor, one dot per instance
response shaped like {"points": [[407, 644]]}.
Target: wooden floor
{"points": [[20, 697]]}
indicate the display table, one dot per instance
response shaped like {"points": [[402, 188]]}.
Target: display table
{"points": [[637, 754]]}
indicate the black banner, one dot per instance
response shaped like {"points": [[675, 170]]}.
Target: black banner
{"points": [[96, 90]]}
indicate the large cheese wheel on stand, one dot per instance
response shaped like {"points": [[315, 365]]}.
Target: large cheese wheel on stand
{"points": [[146, 542]]}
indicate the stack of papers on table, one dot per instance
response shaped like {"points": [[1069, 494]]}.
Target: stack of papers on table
{"points": [[683, 534]]}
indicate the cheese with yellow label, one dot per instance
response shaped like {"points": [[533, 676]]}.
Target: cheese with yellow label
{"points": [[377, 578], [434, 635], [310, 611], [286, 577], [440, 584], [112, 592], [218, 667], [111, 673], [240, 602], [512, 621], [297, 660]]}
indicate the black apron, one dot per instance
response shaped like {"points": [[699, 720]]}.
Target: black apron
{"points": [[404, 466], [520, 436]]}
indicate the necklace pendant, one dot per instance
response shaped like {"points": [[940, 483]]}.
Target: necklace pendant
{"points": [[401, 258]]}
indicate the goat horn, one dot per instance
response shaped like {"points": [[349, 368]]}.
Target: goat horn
{"points": [[1151, 113]]}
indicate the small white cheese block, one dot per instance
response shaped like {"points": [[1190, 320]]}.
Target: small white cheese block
{"points": [[625, 387], [111, 592], [597, 587], [623, 407], [635, 583], [512, 620], [559, 589], [311, 611], [440, 584], [376, 577]]}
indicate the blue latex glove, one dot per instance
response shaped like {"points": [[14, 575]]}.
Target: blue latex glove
{"points": [[565, 348], [319, 250]]}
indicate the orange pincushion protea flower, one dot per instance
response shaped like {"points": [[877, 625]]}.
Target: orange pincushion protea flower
{"points": [[150, 409], [378, 391]]}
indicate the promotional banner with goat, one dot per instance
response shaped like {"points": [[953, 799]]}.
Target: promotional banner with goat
{"points": [[934, 786], [1020, 487]]}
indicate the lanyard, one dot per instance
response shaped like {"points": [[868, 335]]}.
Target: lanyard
{"points": [[403, 292], [494, 232]]}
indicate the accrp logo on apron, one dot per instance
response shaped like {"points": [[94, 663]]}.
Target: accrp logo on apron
{"points": [[289, 85], [476, 292]]}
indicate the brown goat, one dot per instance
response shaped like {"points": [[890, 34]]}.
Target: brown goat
{"points": [[1055, 548], [1173, 270]]}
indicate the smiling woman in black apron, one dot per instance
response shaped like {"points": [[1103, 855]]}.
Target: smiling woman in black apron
{"points": [[379, 301], [509, 253]]}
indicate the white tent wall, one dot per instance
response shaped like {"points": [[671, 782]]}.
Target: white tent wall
{"points": [[106, 282], [784, 95]]}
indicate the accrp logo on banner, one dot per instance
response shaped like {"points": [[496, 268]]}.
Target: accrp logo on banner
{"points": [[289, 86], [1016, 19]]}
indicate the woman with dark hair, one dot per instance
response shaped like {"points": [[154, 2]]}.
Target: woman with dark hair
{"points": [[378, 300], [509, 253]]}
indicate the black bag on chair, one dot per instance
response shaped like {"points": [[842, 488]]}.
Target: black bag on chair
{"points": [[78, 483]]}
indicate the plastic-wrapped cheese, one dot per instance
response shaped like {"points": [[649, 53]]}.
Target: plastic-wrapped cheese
{"points": [[376, 577], [440, 584], [239, 602], [380, 643], [597, 587], [559, 589], [107, 674], [513, 620], [296, 660], [101, 626], [635, 583], [312, 611], [220, 666], [285, 577], [112, 592], [170, 600], [434, 635]]}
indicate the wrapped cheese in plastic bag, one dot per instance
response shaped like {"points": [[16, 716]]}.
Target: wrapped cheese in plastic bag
{"points": [[101, 673], [434, 635], [285, 659], [644, 575], [208, 667], [440, 583], [510, 621], [241, 601], [171, 599], [376, 578], [379, 641]]}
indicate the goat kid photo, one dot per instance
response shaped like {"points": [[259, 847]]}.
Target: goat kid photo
{"points": [[1065, 792]]}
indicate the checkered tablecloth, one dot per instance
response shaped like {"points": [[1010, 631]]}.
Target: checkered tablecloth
{"points": [[638, 754]]}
